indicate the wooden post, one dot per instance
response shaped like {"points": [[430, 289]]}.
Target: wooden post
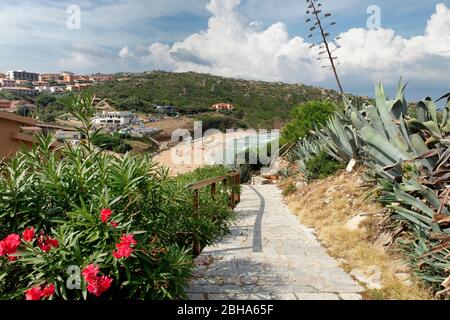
{"points": [[196, 204], [233, 188], [238, 185], [213, 191]]}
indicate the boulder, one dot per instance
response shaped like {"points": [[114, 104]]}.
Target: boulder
{"points": [[354, 223]]}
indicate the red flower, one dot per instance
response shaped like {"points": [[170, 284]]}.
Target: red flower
{"points": [[99, 286], [124, 249], [90, 273], [128, 239], [9, 245], [114, 224], [46, 243], [48, 291], [28, 234], [33, 294], [38, 293], [105, 214], [96, 285]]}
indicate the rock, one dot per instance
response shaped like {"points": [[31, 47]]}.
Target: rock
{"points": [[370, 276], [351, 165], [353, 223], [300, 185]]}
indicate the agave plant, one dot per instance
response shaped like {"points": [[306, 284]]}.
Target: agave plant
{"points": [[409, 158]]}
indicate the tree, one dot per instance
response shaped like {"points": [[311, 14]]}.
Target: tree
{"points": [[44, 100], [314, 14], [304, 118]]}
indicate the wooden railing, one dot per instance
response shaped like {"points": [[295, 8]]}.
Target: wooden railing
{"points": [[234, 178]]}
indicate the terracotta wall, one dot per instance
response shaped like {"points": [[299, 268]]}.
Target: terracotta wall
{"points": [[9, 145]]}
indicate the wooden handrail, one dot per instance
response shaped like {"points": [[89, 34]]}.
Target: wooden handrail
{"points": [[235, 178], [206, 183]]}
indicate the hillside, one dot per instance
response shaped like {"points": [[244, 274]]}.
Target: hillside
{"points": [[257, 103]]}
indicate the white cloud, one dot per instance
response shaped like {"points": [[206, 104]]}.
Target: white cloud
{"points": [[233, 46], [125, 53]]}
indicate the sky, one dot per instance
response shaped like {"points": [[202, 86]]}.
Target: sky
{"points": [[380, 40]]}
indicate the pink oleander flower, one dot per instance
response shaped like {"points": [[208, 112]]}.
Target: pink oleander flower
{"points": [[123, 249], [96, 285], [9, 246], [105, 214], [28, 234]]}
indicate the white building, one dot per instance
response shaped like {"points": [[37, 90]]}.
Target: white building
{"points": [[20, 90], [57, 90], [114, 118]]}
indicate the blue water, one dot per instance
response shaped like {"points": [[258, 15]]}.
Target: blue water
{"points": [[237, 146]]}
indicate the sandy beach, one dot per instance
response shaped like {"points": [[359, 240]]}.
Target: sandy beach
{"points": [[188, 156]]}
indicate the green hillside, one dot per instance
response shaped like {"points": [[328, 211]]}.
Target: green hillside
{"points": [[257, 103]]}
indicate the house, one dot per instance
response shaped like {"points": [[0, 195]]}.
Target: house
{"points": [[223, 107], [166, 109], [49, 77], [22, 75], [7, 83], [20, 90], [70, 136], [17, 132], [57, 90], [67, 76], [114, 118]]}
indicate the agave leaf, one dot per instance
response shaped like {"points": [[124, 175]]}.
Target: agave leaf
{"points": [[412, 216], [372, 138], [414, 202]]}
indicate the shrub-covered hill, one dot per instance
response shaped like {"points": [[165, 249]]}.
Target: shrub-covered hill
{"points": [[257, 103]]}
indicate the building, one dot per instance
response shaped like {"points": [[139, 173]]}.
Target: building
{"points": [[114, 118], [23, 83], [49, 77], [166, 109], [67, 76], [78, 87], [20, 90], [57, 90], [68, 135], [22, 75], [17, 132], [2, 76], [223, 107], [7, 83], [44, 88]]}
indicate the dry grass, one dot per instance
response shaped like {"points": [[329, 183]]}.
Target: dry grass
{"points": [[327, 205]]}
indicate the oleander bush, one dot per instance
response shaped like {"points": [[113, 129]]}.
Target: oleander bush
{"points": [[77, 223]]}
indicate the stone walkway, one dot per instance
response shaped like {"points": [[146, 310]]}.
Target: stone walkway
{"points": [[269, 255]]}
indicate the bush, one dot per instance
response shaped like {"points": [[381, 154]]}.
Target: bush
{"points": [[305, 117], [290, 189], [122, 222], [321, 166], [220, 122], [111, 143]]}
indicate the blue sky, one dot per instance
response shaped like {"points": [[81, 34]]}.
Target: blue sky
{"points": [[252, 39]]}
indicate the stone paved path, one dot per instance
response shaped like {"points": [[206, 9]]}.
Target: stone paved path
{"points": [[269, 255]]}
